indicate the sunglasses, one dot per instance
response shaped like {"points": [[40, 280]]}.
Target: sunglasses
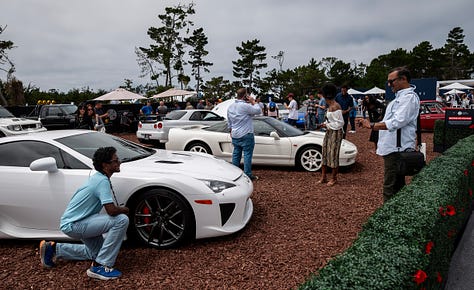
{"points": [[390, 82]]}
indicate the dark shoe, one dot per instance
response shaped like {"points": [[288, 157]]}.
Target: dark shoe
{"points": [[103, 272], [47, 254], [254, 178]]}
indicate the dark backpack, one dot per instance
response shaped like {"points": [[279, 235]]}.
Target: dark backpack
{"points": [[272, 107]]}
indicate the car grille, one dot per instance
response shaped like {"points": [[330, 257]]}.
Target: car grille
{"points": [[226, 211]]}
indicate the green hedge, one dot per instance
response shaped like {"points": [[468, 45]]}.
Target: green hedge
{"points": [[414, 231]]}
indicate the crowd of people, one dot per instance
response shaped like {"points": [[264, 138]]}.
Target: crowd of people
{"points": [[457, 100]]}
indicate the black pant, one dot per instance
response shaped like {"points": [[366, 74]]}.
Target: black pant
{"points": [[346, 120], [392, 182]]}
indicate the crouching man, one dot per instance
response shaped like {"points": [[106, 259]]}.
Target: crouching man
{"points": [[82, 221]]}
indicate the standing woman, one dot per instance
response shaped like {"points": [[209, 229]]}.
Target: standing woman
{"points": [[83, 119], [333, 137]]}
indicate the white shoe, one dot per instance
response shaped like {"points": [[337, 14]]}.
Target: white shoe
{"points": [[352, 131]]}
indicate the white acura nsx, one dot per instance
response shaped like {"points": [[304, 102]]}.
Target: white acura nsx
{"points": [[171, 199], [276, 143]]}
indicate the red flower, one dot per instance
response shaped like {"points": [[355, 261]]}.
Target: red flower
{"points": [[428, 247], [441, 211], [450, 210], [420, 277], [439, 278], [466, 172], [470, 191]]}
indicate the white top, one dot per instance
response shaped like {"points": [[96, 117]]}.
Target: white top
{"points": [[293, 110], [402, 113], [334, 120]]}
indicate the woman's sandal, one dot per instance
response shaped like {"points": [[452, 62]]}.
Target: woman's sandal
{"points": [[331, 182], [321, 181]]}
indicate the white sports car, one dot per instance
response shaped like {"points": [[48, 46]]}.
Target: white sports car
{"points": [[276, 143], [151, 130], [171, 199], [11, 125]]}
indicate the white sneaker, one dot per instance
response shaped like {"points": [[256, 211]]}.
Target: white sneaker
{"points": [[352, 131]]}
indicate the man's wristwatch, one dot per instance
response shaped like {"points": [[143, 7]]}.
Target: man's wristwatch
{"points": [[372, 124]]}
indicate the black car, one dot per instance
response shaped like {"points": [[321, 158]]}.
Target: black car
{"points": [[58, 116]]}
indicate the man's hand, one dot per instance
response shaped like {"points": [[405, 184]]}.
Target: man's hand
{"points": [[364, 123]]}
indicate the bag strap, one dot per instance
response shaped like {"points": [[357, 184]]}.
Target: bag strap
{"points": [[418, 133]]}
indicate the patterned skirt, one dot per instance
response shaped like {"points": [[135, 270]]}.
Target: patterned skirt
{"points": [[331, 146]]}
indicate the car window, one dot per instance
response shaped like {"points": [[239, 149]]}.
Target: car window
{"points": [[22, 153], [196, 116], [88, 143], [174, 115], [4, 113], [210, 116], [70, 109], [218, 127], [283, 129], [261, 128]]}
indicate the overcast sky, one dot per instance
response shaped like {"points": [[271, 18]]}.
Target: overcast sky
{"points": [[65, 44]]}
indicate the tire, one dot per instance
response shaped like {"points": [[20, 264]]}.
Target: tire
{"points": [[199, 147], [310, 158], [162, 219]]}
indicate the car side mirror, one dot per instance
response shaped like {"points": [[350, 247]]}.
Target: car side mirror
{"points": [[274, 135], [44, 164]]}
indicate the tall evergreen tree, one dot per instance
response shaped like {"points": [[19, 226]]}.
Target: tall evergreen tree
{"points": [[457, 56], [252, 59], [6, 64], [197, 42], [169, 49]]}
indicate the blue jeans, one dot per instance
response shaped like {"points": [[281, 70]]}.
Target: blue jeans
{"points": [[321, 120], [244, 144], [311, 121], [95, 247]]}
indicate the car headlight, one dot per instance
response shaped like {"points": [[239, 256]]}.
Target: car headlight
{"points": [[217, 185], [14, 127]]}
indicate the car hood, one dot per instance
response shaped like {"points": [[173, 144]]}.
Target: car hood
{"points": [[197, 165], [17, 121]]}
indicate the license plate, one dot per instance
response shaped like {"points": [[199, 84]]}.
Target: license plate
{"points": [[146, 136]]}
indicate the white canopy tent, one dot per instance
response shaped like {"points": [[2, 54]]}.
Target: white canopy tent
{"points": [[354, 92], [454, 92], [374, 91], [173, 93], [457, 86], [119, 95]]}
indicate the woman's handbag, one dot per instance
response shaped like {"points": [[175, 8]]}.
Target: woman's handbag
{"points": [[410, 161]]}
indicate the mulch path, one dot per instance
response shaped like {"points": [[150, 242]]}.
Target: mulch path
{"points": [[296, 228]]}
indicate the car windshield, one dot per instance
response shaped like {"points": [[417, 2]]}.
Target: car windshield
{"points": [[88, 143], [70, 109], [174, 115], [282, 128], [4, 113]]}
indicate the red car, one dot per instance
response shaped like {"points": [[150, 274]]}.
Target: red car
{"points": [[430, 111]]}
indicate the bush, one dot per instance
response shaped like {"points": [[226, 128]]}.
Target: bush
{"points": [[414, 234]]}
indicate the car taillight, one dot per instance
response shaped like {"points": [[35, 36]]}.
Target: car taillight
{"points": [[158, 126], [140, 125]]}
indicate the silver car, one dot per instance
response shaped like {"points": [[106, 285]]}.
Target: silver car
{"points": [[153, 130]]}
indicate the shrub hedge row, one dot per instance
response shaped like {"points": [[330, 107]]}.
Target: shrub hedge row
{"points": [[445, 138], [409, 241]]}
